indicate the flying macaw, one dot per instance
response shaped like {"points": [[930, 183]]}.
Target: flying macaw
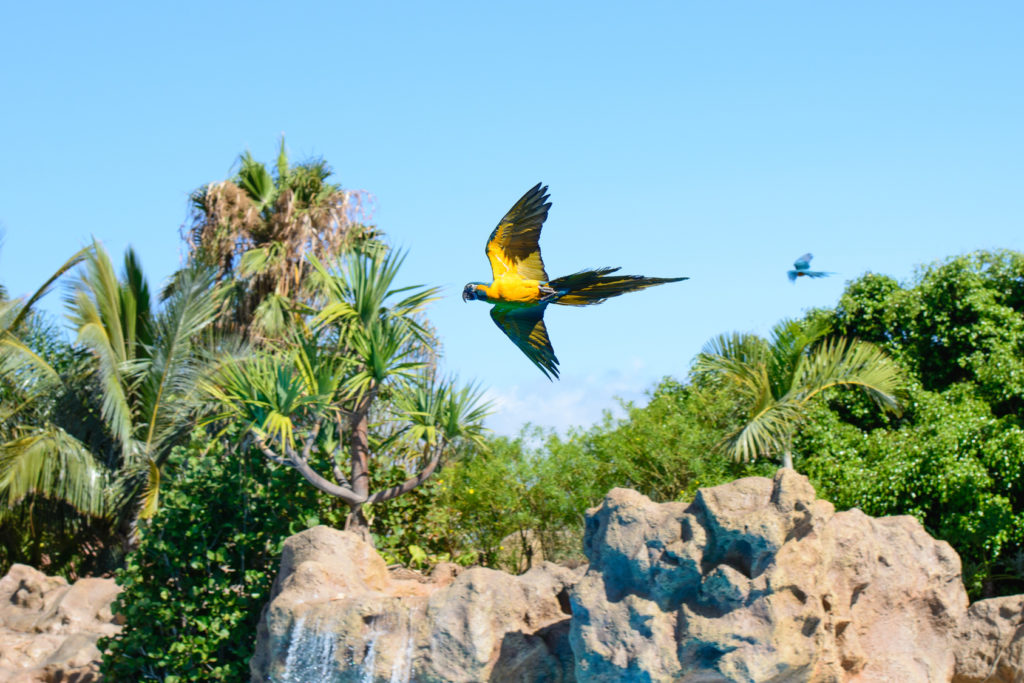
{"points": [[801, 268], [521, 290]]}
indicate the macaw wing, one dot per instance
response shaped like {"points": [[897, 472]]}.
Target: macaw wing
{"points": [[792, 274], [513, 245], [803, 262], [525, 327]]}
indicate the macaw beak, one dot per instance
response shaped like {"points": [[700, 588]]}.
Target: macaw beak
{"points": [[465, 295]]}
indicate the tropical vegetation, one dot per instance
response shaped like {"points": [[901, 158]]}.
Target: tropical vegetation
{"points": [[287, 376]]}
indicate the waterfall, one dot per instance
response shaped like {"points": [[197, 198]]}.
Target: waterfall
{"points": [[387, 648], [370, 661], [391, 637], [310, 653], [401, 668]]}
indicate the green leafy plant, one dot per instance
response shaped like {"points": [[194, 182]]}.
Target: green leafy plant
{"points": [[779, 378], [194, 587]]}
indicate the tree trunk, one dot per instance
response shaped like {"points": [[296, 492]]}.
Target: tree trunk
{"points": [[357, 524], [787, 459]]}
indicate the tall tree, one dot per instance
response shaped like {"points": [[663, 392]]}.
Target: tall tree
{"points": [[257, 229], [955, 459], [101, 450], [778, 378], [352, 388], [23, 372]]}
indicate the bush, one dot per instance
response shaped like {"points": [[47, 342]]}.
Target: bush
{"points": [[951, 464], [195, 586]]}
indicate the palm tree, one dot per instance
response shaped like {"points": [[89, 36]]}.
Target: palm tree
{"points": [[22, 370], [257, 229], [101, 454], [353, 387], [777, 379]]}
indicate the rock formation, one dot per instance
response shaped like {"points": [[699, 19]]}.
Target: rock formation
{"points": [[49, 629], [755, 580], [990, 642], [337, 614]]}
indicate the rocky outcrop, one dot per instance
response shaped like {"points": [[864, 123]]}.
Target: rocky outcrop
{"points": [[756, 580], [49, 629], [337, 614]]}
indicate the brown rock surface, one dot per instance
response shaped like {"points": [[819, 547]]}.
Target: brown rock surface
{"points": [[336, 613], [990, 647], [49, 629], [756, 580]]}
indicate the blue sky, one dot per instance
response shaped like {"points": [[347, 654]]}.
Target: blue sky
{"points": [[713, 140]]}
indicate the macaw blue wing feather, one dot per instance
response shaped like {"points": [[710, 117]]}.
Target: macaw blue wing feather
{"points": [[803, 262], [525, 327]]}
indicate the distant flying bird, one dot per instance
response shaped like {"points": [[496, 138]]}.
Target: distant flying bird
{"points": [[521, 290], [801, 268]]}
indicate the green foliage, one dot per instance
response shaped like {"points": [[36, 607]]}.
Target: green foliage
{"points": [[536, 488], [194, 587], [953, 465], [104, 424], [955, 460], [959, 322], [666, 449], [515, 490], [415, 530], [778, 379], [353, 388]]}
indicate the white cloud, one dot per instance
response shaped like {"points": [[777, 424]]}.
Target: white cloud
{"points": [[570, 402]]}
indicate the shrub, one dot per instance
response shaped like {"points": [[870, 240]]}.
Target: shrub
{"points": [[194, 587]]}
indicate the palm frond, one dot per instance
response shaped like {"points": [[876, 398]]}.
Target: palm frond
{"points": [[52, 463], [256, 181], [777, 378], [75, 259], [167, 389], [851, 363], [111, 373], [789, 341], [150, 496], [765, 432]]}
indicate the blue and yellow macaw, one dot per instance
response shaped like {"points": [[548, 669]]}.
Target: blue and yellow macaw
{"points": [[521, 290], [802, 268]]}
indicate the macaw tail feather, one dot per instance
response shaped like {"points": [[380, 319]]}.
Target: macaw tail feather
{"points": [[817, 273], [594, 286]]}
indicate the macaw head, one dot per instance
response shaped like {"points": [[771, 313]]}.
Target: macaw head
{"points": [[474, 290]]}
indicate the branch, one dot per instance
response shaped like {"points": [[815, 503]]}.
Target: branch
{"points": [[321, 484], [310, 475], [270, 455], [412, 482], [308, 445], [339, 476]]}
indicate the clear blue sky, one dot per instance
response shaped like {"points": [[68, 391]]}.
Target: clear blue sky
{"points": [[713, 140]]}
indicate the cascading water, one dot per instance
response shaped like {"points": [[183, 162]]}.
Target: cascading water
{"points": [[310, 653], [370, 661], [393, 633], [401, 668], [385, 651]]}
